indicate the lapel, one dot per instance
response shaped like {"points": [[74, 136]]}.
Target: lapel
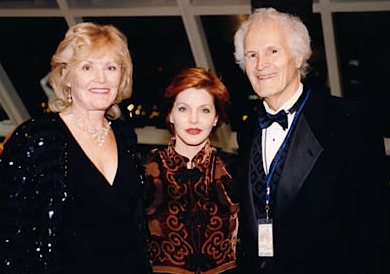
{"points": [[305, 150]]}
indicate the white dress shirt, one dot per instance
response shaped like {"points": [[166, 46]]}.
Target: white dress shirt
{"points": [[274, 135]]}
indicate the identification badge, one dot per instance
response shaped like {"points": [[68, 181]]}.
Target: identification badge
{"points": [[265, 238]]}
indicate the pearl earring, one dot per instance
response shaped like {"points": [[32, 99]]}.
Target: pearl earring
{"points": [[69, 97]]}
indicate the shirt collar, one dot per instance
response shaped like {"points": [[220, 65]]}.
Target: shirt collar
{"points": [[288, 104], [202, 158]]}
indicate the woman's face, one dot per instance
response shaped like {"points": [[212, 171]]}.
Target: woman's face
{"points": [[193, 116], [94, 80]]}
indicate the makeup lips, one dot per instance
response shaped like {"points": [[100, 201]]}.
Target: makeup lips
{"points": [[99, 90], [193, 131]]}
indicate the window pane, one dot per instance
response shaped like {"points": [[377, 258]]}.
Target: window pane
{"points": [[119, 3], [3, 115], [159, 48], [388, 168], [27, 45], [346, 1], [363, 47], [220, 34], [318, 74], [28, 3]]}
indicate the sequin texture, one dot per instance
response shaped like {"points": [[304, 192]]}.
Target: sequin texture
{"points": [[32, 195]]}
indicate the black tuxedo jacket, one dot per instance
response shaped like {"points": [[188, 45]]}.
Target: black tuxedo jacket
{"points": [[329, 212]]}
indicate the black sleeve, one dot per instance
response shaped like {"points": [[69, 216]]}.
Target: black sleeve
{"points": [[32, 192], [367, 199]]}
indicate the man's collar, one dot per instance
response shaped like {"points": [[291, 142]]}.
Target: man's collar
{"points": [[288, 104]]}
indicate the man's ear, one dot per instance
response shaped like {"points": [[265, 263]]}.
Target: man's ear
{"points": [[298, 61]]}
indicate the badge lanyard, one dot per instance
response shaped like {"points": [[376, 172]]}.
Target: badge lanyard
{"points": [[278, 155], [264, 227]]}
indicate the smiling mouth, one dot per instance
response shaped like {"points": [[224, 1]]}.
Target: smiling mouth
{"points": [[99, 90], [266, 76], [193, 131]]}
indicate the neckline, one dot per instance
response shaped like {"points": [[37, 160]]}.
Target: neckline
{"points": [[67, 130], [289, 104], [201, 159]]}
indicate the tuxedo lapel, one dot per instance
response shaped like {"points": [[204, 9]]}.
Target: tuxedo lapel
{"points": [[304, 151]]}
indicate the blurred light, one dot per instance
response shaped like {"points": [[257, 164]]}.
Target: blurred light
{"points": [[139, 107], [154, 114], [253, 97], [130, 107], [137, 112], [244, 117], [143, 113]]}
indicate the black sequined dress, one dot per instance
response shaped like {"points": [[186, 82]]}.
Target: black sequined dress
{"points": [[58, 213]]}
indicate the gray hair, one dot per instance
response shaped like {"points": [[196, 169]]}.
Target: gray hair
{"points": [[298, 37]]}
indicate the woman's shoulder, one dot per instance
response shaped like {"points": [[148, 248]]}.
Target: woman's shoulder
{"points": [[49, 122], [152, 164], [151, 157], [38, 142], [38, 130], [125, 132], [226, 157]]}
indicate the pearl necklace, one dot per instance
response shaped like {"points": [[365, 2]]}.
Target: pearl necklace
{"points": [[99, 134]]}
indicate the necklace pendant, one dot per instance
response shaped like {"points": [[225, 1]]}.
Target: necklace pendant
{"points": [[99, 134]]}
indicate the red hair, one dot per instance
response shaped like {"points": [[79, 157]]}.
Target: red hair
{"points": [[198, 78]]}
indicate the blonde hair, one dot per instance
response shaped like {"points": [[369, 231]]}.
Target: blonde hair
{"points": [[89, 36], [298, 37]]}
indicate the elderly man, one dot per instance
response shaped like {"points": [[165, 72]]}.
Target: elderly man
{"points": [[311, 166]]}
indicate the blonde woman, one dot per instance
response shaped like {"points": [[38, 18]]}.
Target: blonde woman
{"points": [[70, 191]]}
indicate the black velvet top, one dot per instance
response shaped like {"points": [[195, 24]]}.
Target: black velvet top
{"points": [[58, 212]]}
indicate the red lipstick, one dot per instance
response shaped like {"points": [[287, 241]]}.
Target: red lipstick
{"points": [[193, 131]]}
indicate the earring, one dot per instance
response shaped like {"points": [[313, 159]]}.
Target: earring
{"points": [[69, 97], [215, 122]]}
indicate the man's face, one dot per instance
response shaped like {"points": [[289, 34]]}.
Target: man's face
{"points": [[270, 66]]}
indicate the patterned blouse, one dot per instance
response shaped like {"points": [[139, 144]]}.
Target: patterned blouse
{"points": [[191, 217]]}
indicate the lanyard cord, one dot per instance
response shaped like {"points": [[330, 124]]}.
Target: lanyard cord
{"points": [[278, 155]]}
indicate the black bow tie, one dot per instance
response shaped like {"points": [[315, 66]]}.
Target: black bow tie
{"points": [[266, 119]]}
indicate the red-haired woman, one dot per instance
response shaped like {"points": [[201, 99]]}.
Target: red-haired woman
{"points": [[190, 209]]}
